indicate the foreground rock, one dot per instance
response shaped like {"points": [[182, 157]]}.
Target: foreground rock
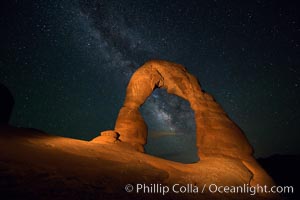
{"points": [[35, 165]]}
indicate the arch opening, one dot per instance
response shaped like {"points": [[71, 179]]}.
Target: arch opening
{"points": [[171, 127]]}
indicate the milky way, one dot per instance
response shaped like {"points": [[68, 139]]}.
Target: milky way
{"points": [[122, 47], [67, 64]]}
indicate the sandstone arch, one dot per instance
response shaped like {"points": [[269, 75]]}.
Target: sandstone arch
{"points": [[217, 135]]}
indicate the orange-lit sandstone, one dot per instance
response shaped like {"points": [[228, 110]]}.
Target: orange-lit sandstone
{"points": [[219, 139], [35, 165]]}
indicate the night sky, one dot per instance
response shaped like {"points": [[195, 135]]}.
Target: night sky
{"points": [[67, 64]]}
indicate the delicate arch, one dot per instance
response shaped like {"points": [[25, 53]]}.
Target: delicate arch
{"points": [[216, 133]]}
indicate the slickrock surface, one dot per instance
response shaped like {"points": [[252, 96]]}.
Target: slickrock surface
{"points": [[36, 165]]}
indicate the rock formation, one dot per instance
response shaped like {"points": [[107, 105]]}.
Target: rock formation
{"points": [[217, 135]]}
